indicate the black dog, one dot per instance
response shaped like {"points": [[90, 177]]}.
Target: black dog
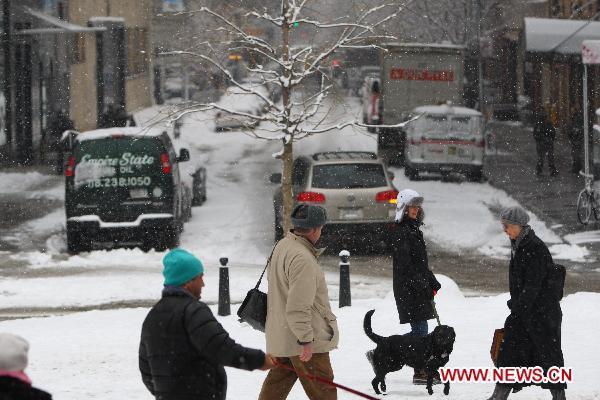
{"points": [[427, 352]]}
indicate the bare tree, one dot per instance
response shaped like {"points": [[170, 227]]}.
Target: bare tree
{"points": [[291, 63]]}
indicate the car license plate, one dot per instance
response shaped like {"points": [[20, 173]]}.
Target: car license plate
{"points": [[451, 150], [351, 213], [138, 193]]}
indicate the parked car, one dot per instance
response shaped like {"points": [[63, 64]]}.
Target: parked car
{"points": [[238, 100], [124, 187], [445, 139], [354, 187]]}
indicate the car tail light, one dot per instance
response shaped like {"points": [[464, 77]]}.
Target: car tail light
{"points": [[165, 163], [311, 197], [389, 196], [70, 170]]}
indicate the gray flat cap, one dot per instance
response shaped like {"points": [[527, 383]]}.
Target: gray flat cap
{"points": [[514, 216], [306, 216]]}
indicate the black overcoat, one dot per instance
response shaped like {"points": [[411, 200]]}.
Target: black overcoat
{"points": [[413, 282], [533, 328], [183, 350]]}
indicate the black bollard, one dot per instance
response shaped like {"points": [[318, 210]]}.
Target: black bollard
{"points": [[345, 297], [224, 302]]}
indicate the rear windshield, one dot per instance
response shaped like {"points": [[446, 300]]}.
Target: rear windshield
{"points": [[348, 176], [117, 162], [441, 126]]}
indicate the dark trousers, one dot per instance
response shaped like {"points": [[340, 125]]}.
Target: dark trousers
{"points": [[577, 153], [419, 328], [545, 149], [280, 381]]}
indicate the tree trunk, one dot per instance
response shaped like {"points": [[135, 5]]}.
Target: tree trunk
{"points": [[288, 153]]}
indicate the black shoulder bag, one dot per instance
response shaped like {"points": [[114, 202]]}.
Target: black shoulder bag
{"points": [[253, 310]]}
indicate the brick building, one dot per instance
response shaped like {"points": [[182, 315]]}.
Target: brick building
{"points": [[79, 57]]}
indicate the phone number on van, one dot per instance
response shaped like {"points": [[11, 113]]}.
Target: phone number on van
{"points": [[120, 182]]}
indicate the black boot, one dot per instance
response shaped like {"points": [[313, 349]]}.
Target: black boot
{"points": [[558, 394], [501, 392]]}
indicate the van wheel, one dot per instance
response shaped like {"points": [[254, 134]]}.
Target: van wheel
{"points": [[169, 239], [75, 243], [278, 228], [476, 175], [411, 173]]}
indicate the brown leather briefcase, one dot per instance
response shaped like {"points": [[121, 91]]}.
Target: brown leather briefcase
{"points": [[496, 342]]}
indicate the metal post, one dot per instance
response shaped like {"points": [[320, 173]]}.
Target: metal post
{"points": [[586, 133], [345, 297], [479, 59], [224, 302]]}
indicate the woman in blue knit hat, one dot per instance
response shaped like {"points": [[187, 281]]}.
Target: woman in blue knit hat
{"points": [[183, 349]]}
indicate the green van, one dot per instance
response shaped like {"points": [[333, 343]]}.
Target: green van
{"points": [[123, 187]]}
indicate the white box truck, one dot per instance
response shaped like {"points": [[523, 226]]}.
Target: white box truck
{"points": [[414, 75]]}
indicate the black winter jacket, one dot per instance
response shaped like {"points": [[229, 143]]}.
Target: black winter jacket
{"points": [[413, 282], [533, 329], [183, 350], [543, 131], [15, 389]]}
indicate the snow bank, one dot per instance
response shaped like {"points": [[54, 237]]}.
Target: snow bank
{"points": [[15, 182]]}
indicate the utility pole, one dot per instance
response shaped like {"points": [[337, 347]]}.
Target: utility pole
{"points": [[7, 78], [479, 58]]}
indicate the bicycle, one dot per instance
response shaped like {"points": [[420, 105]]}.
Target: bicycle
{"points": [[587, 201]]}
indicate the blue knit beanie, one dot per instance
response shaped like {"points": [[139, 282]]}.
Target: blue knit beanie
{"points": [[180, 266]]}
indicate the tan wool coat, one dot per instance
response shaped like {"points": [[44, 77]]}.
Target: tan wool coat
{"points": [[298, 308]]}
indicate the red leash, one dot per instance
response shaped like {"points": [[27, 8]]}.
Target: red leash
{"points": [[325, 381]]}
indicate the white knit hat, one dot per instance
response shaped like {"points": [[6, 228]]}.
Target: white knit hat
{"points": [[407, 197], [13, 352]]}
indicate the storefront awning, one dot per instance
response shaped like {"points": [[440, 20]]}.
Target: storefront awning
{"points": [[562, 36], [57, 25]]}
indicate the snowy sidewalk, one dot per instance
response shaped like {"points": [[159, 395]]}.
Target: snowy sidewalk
{"points": [[94, 354]]}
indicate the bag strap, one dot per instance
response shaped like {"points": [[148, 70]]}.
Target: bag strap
{"points": [[265, 269]]}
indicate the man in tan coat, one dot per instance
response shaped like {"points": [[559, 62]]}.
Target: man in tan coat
{"points": [[301, 330]]}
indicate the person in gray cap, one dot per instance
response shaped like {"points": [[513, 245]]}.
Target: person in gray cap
{"points": [[301, 329], [532, 331]]}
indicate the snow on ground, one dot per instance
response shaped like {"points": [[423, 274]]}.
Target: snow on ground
{"points": [[236, 220], [16, 182], [78, 356]]}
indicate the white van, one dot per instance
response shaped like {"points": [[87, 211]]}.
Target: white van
{"points": [[445, 139]]}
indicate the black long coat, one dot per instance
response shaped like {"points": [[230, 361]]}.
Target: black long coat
{"points": [[413, 282], [183, 350], [533, 329], [543, 130], [15, 389]]}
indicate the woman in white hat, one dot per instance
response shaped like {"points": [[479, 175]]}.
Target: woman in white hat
{"points": [[414, 283]]}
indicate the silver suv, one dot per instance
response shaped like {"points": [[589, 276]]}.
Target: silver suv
{"points": [[354, 187]]}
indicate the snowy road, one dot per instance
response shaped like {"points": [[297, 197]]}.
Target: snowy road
{"points": [[237, 221]]}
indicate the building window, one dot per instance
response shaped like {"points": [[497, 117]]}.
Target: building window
{"points": [[79, 49], [137, 51]]}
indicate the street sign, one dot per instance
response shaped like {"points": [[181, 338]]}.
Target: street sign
{"points": [[590, 51]]}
